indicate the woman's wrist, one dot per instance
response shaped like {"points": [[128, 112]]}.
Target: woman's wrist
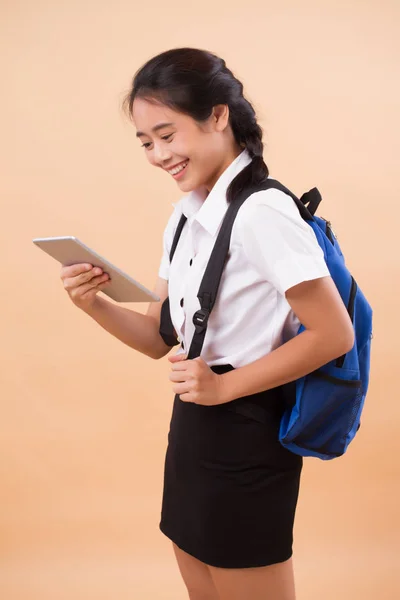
{"points": [[96, 307]]}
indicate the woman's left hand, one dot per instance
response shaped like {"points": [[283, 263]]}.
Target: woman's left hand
{"points": [[195, 381]]}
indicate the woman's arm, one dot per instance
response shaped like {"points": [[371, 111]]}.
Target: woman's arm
{"points": [[140, 332], [329, 333]]}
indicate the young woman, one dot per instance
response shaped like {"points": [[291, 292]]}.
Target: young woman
{"points": [[230, 488]]}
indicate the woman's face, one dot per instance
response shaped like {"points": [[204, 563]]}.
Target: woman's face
{"points": [[172, 140]]}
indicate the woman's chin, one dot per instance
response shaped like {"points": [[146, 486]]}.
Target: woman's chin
{"points": [[186, 186]]}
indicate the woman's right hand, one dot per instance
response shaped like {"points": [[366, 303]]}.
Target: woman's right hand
{"points": [[82, 282]]}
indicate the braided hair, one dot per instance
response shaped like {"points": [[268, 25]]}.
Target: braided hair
{"points": [[193, 81]]}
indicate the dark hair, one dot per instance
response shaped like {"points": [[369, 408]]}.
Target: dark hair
{"points": [[193, 81]]}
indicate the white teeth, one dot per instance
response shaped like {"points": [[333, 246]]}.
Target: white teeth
{"points": [[178, 169]]}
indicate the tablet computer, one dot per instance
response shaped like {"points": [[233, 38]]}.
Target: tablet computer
{"points": [[69, 250]]}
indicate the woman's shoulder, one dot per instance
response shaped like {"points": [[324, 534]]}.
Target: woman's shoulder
{"points": [[269, 208], [176, 213], [273, 199], [173, 221]]}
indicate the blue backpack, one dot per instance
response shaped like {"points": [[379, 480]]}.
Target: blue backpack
{"points": [[323, 409]]}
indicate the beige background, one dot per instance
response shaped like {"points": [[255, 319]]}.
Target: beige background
{"points": [[85, 419]]}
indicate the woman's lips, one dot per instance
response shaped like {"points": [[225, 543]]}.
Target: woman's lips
{"points": [[182, 171]]}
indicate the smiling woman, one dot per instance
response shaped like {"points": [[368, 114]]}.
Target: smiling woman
{"points": [[206, 130], [230, 488]]}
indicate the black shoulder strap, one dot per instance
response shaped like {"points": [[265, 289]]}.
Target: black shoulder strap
{"points": [[166, 328], [212, 276], [177, 235], [312, 198]]}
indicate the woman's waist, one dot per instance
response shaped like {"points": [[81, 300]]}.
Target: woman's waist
{"points": [[260, 405]]}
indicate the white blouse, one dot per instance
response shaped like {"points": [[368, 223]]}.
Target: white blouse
{"points": [[271, 249]]}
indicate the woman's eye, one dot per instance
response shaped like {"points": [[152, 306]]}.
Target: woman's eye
{"points": [[164, 137]]}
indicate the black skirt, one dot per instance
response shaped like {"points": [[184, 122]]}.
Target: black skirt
{"points": [[230, 487]]}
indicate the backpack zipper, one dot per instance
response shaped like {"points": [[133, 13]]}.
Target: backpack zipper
{"points": [[330, 234], [352, 298], [350, 310]]}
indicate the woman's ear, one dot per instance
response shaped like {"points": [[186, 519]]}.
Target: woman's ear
{"points": [[220, 116]]}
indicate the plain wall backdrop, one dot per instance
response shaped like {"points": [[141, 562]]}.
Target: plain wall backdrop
{"points": [[84, 418]]}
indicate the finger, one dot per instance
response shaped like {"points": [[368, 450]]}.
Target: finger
{"points": [[84, 289], [181, 388], [85, 278], [179, 376], [93, 274], [98, 286], [177, 357], [185, 397], [94, 290], [74, 270], [180, 366]]}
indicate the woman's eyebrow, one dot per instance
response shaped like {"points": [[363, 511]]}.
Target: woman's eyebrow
{"points": [[155, 128]]}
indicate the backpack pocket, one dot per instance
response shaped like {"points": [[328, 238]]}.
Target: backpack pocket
{"points": [[325, 414]]}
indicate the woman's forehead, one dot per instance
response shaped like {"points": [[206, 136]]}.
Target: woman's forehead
{"points": [[147, 114]]}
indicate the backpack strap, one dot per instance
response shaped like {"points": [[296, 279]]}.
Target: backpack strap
{"points": [[212, 276], [177, 235], [166, 328], [313, 199]]}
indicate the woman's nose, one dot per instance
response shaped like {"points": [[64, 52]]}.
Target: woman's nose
{"points": [[161, 155]]}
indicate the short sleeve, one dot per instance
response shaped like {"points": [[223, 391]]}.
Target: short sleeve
{"points": [[277, 241], [168, 237]]}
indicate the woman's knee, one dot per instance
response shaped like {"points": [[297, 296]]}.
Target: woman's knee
{"points": [[196, 576]]}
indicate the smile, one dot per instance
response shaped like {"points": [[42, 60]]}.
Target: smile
{"points": [[178, 170]]}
